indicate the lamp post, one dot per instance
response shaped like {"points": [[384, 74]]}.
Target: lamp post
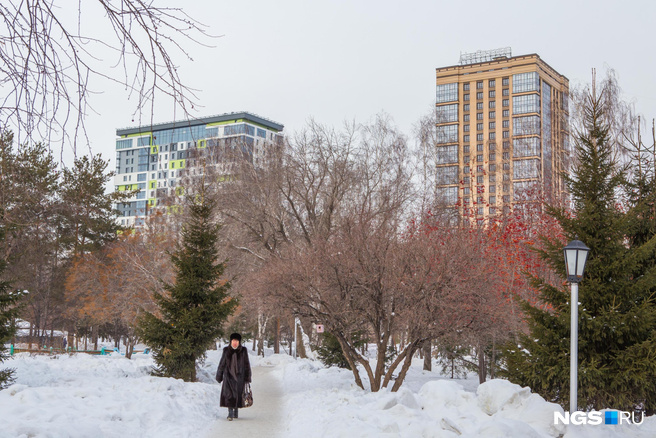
{"points": [[576, 254]]}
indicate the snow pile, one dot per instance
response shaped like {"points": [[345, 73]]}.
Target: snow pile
{"points": [[320, 399], [109, 396]]}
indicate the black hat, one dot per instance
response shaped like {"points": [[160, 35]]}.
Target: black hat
{"points": [[236, 336]]}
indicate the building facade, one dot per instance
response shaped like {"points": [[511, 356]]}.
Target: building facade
{"points": [[154, 160], [501, 132]]}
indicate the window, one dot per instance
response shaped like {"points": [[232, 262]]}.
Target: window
{"points": [[479, 168], [447, 175], [465, 107], [528, 125], [493, 125], [466, 118], [491, 83], [493, 178], [466, 191], [466, 97], [479, 211], [493, 156], [466, 159], [447, 154], [479, 126], [480, 180], [479, 147], [506, 92], [465, 169], [448, 195], [506, 156], [493, 115], [492, 104], [506, 113], [505, 198], [465, 149], [479, 157], [262, 133], [479, 96], [506, 102], [465, 87], [526, 147], [506, 134], [479, 85], [447, 93], [493, 167], [506, 123], [479, 106], [493, 135], [447, 134], [479, 137], [506, 145], [447, 113], [525, 168], [466, 180], [506, 166], [479, 116], [141, 177], [493, 199], [529, 103], [506, 177], [465, 138], [523, 82], [465, 128], [493, 210], [504, 81], [492, 93], [493, 188]]}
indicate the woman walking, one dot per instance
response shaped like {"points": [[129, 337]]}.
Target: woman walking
{"points": [[234, 371]]}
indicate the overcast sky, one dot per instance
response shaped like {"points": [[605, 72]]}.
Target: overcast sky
{"points": [[292, 60]]}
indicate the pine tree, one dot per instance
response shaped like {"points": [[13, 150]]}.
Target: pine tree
{"points": [[197, 304], [9, 300], [617, 314]]}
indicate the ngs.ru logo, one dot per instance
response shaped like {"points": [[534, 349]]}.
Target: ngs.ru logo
{"points": [[595, 418]]}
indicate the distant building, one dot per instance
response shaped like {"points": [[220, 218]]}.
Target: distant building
{"points": [[154, 159], [501, 131]]}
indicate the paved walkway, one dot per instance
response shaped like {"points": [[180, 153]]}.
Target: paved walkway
{"points": [[260, 420]]}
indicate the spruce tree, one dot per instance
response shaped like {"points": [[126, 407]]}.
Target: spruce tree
{"points": [[195, 307], [9, 300], [617, 314]]}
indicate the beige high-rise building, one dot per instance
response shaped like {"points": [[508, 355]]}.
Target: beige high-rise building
{"points": [[501, 132]]}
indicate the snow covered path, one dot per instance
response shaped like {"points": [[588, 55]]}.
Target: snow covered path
{"points": [[261, 419]]}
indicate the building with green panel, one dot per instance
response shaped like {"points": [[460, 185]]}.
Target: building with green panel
{"points": [[155, 159]]}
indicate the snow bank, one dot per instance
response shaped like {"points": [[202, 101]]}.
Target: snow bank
{"points": [[325, 399], [109, 396]]}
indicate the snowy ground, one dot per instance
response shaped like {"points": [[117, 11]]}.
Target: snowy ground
{"points": [[109, 396]]}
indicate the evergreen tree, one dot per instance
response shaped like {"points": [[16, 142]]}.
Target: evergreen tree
{"points": [[88, 219], [8, 313], [617, 314], [197, 304]]}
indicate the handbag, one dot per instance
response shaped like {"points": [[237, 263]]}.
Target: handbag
{"points": [[248, 396]]}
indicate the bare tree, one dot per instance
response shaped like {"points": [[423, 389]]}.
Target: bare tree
{"points": [[49, 64]]}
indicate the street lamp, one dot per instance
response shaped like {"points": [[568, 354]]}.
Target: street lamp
{"points": [[576, 254]]}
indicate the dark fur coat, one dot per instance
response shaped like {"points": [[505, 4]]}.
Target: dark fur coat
{"points": [[234, 371]]}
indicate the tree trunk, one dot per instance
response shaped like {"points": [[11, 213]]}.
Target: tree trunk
{"points": [[276, 340], [481, 366], [428, 359], [300, 346], [406, 366], [94, 334]]}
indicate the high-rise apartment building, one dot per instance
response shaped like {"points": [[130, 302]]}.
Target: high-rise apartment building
{"points": [[501, 131], [155, 159]]}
